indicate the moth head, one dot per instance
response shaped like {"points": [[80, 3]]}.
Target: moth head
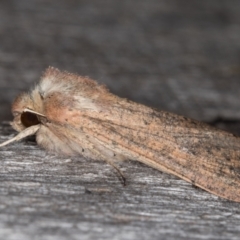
{"points": [[23, 112]]}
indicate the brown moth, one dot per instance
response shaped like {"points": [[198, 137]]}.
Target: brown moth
{"points": [[73, 115]]}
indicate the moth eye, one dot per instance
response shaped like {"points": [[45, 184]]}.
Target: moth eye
{"points": [[29, 119]]}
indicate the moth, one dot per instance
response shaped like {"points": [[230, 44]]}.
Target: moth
{"points": [[73, 115]]}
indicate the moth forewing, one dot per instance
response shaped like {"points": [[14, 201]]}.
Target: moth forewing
{"points": [[208, 158]]}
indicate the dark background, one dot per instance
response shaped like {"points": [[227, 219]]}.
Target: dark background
{"points": [[182, 56]]}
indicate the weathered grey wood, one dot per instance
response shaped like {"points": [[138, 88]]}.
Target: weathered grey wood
{"points": [[44, 197], [182, 56]]}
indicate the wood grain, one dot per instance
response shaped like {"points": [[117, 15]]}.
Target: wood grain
{"points": [[44, 197]]}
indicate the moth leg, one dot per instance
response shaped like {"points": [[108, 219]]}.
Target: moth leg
{"points": [[111, 163], [96, 150], [107, 159], [119, 172]]}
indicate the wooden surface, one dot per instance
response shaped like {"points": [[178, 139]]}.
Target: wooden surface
{"points": [[181, 56]]}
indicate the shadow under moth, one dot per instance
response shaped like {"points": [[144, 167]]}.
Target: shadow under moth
{"points": [[73, 115]]}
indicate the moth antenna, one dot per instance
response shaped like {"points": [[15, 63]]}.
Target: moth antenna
{"points": [[25, 133], [31, 111]]}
